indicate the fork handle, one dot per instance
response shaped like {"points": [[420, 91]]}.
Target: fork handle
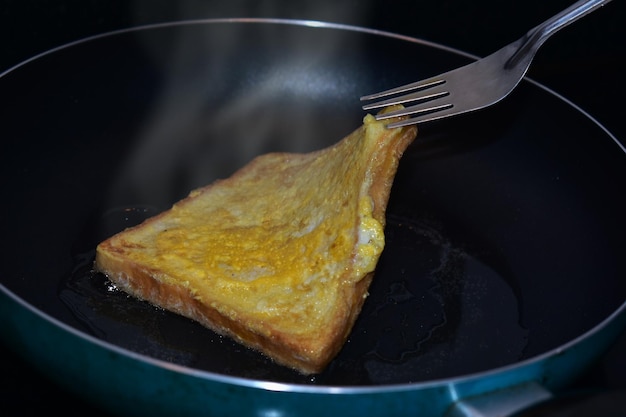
{"points": [[535, 37]]}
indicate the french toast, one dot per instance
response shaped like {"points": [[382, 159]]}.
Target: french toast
{"points": [[279, 256]]}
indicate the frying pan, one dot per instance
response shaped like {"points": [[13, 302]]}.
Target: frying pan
{"points": [[501, 278]]}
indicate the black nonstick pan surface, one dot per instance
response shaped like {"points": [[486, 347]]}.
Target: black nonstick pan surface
{"points": [[505, 227]]}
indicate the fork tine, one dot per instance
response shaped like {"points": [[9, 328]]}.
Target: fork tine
{"points": [[427, 94], [417, 96], [419, 85], [425, 111], [429, 106], [428, 114]]}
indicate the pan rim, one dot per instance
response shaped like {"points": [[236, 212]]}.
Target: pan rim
{"points": [[303, 23], [295, 387], [314, 389]]}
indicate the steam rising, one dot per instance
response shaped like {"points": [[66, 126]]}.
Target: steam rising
{"points": [[229, 92]]}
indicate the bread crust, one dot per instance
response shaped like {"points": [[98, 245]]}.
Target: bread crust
{"points": [[308, 352]]}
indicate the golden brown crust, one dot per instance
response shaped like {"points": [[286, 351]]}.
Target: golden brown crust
{"points": [[281, 348], [307, 352]]}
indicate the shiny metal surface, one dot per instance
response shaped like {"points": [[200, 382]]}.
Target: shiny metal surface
{"points": [[479, 84]]}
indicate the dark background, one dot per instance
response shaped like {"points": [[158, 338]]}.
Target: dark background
{"points": [[584, 63]]}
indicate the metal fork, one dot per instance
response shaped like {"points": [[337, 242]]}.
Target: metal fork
{"points": [[479, 84]]}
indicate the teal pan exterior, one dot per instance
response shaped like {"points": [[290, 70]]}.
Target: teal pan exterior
{"points": [[129, 384]]}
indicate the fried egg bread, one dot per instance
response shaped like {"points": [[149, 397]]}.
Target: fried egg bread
{"points": [[279, 256]]}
